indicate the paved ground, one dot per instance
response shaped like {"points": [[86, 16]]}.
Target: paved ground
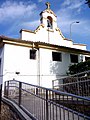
{"points": [[37, 107]]}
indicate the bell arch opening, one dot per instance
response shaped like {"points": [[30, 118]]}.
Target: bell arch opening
{"points": [[50, 22]]}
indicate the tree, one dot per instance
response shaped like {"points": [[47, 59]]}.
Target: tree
{"points": [[80, 67], [88, 2]]}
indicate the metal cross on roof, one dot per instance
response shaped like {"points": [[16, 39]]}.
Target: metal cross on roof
{"points": [[48, 5]]}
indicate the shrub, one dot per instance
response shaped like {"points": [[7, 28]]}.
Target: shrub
{"points": [[80, 67]]}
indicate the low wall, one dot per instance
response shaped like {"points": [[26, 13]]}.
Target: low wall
{"points": [[7, 113]]}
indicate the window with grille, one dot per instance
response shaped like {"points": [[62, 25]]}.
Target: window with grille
{"points": [[33, 54], [56, 56], [74, 58], [87, 58]]}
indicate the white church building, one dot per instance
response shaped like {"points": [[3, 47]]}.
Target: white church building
{"points": [[40, 56]]}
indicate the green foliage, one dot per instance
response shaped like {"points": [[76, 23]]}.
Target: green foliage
{"points": [[80, 67]]}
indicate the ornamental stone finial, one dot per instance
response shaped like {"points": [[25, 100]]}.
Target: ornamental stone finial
{"points": [[48, 5]]}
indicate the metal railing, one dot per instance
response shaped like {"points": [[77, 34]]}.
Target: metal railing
{"points": [[0, 96], [47, 104], [78, 84]]}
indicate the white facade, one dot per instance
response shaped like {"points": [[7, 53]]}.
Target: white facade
{"points": [[52, 35], [40, 71], [46, 42]]}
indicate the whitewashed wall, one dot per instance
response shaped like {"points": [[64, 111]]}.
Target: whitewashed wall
{"points": [[52, 37], [17, 58], [40, 71], [51, 70]]}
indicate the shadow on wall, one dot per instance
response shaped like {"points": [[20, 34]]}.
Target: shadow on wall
{"points": [[57, 69]]}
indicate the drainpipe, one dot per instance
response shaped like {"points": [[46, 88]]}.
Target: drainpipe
{"points": [[38, 63], [38, 68]]}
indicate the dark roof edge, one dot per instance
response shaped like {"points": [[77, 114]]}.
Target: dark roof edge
{"points": [[42, 43]]}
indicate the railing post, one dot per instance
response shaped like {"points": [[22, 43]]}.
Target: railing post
{"points": [[53, 84], [20, 87], [78, 85], [46, 104], [4, 88], [7, 90], [36, 91], [0, 96]]}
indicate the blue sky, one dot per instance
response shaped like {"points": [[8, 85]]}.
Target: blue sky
{"points": [[24, 14]]}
